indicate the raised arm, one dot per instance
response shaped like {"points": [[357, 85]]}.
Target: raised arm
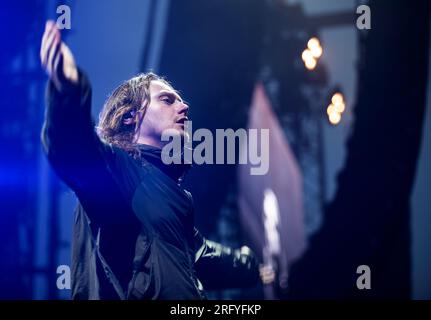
{"points": [[68, 136], [75, 151]]}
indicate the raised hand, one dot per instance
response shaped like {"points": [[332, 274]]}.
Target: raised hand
{"points": [[57, 59]]}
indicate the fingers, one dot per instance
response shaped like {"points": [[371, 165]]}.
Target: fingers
{"points": [[56, 58], [46, 35], [267, 274], [49, 28], [53, 57], [50, 40]]}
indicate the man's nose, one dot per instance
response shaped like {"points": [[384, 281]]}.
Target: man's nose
{"points": [[184, 108]]}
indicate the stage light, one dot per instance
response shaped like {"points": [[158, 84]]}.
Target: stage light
{"points": [[336, 108], [340, 107], [338, 102], [313, 52], [315, 47], [337, 98], [307, 55], [334, 118], [317, 52], [313, 43], [330, 109], [310, 64]]}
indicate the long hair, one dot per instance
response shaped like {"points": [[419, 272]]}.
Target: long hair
{"points": [[124, 110]]}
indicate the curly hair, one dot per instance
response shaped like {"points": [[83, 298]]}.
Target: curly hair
{"points": [[124, 110]]}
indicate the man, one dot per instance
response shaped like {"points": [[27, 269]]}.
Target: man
{"points": [[134, 235]]}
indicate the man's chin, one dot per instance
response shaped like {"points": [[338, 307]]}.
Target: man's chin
{"points": [[178, 132]]}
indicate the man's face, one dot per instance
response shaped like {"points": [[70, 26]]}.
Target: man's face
{"points": [[167, 113]]}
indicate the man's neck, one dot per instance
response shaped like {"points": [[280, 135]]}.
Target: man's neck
{"points": [[150, 141]]}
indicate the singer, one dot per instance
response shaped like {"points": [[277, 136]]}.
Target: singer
{"points": [[134, 234]]}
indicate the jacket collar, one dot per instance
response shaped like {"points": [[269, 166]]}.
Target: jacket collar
{"points": [[154, 156]]}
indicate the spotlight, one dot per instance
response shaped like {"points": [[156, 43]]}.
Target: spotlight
{"points": [[336, 108], [310, 64], [340, 107], [315, 48], [330, 109], [334, 118], [313, 52], [337, 98], [307, 55]]}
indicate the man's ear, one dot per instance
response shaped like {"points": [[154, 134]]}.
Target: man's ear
{"points": [[130, 119]]}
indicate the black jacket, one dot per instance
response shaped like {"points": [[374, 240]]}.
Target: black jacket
{"points": [[134, 235]]}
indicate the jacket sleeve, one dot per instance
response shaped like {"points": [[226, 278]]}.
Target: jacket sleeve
{"points": [[84, 162], [221, 267]]}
